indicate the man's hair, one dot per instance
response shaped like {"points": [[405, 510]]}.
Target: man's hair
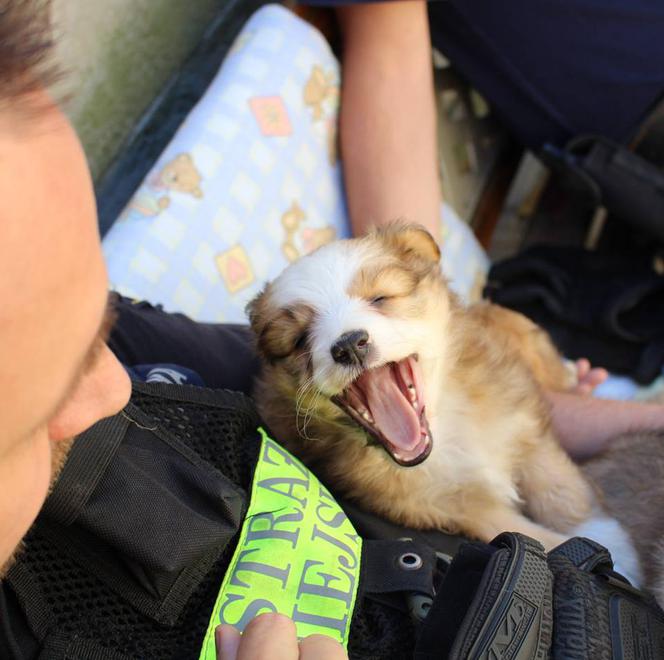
{"points": [[26, 44]]}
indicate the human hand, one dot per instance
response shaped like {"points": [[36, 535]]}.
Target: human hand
{"points": [[273, 637], [588, 377]]}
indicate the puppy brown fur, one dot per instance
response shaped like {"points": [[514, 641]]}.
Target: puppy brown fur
{"points": [[529, 341], [486, 459]]}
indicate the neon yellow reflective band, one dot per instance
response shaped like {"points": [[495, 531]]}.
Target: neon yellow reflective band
{"points": [[298, 554]]}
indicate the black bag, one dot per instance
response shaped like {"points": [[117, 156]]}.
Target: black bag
{"points": [[508, 599], [627, 185], [607, 308]]}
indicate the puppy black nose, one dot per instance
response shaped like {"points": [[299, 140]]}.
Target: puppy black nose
{"points": [[351, 348]]}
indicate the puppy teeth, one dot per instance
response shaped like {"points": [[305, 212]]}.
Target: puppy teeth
{"points": [[412, 395]]}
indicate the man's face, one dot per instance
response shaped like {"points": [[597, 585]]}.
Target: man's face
{"points": [[57, 376]]}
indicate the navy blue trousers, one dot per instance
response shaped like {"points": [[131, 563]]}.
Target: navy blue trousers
{"points": [[555, 69]]}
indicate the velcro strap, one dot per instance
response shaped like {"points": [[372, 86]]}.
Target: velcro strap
{"points": [[600, 617], [495, 602], [512, 610], [585, 554], [397, 566]]}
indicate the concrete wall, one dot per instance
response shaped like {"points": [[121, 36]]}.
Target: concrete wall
{"points": [[118, 54]]}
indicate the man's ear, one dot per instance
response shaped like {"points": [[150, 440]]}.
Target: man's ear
{"points": [[412, 241]]}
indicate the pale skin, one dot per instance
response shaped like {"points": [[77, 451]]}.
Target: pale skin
{"points": [[388, 121], [54, 293], [586, 426]]}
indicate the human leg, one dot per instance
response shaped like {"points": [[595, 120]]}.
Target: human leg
{"points": [[221, 354], [555, 70], [387, 122]]}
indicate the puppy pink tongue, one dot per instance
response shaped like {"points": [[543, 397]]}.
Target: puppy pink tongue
{"points": [[392, 411]]}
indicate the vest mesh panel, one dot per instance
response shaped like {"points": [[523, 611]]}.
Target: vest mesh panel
{"points": [[83, 606]]}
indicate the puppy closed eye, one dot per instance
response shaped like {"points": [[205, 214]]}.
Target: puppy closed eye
{"points": [[379, 300], [379, 285], [301, 341], [286, 332]]}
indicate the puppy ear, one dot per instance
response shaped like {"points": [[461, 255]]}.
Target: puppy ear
{"points": [[257, 312], [412, 241]]}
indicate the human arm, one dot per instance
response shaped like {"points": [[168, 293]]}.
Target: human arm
{"points": [[388, 119], [586, 425], [273, 637]]}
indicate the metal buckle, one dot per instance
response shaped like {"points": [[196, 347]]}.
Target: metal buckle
{"points": [[420, 604]]}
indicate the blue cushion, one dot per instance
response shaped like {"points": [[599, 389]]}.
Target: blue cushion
{"points": [[251, 181]]}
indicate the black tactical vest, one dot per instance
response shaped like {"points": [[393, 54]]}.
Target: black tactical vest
{"points": [[126, 558]]}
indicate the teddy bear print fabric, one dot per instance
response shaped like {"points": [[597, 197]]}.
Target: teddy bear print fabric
{"points": [[250, 182]]}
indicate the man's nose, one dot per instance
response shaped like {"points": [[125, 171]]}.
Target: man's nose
{"points": [[101, 392], [351, 348]]}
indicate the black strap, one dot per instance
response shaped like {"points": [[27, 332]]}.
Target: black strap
{"points": [[512, 608], [630, 187], [224, 399], [585, 554], [597, 613], [32, 602], [495, 602], [17, 640], [86, 463], [398, 566]]}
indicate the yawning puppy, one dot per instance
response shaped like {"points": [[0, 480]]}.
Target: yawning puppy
{"points": [[425, 412]]}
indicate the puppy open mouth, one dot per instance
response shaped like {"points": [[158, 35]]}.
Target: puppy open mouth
{"points": [[388, 403]]}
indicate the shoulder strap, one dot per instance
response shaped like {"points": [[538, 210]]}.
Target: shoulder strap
{"points": [[585, 554], [495, 602]]}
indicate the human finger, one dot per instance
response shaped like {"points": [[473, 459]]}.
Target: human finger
{"points": [[269, 636], [597, 376], [582, 368], [227, 642], [321, 647]]}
